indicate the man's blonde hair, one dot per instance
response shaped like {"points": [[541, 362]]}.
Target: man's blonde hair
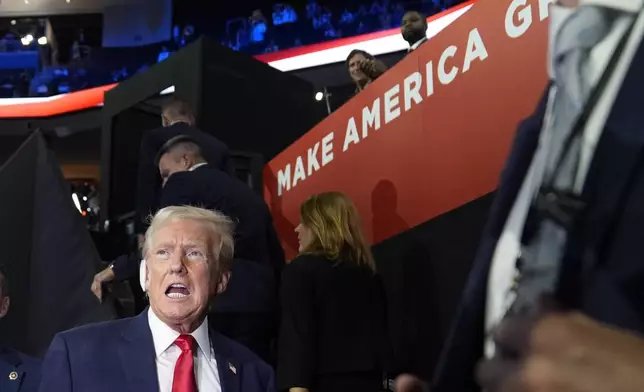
{"points": [[220, 240]]}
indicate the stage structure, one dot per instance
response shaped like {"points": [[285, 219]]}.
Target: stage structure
{"points": [[420, 153], [255, 109], [47, 252]]}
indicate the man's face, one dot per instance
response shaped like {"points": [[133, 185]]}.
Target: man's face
{"points": [[181, 275], [170, 164], [413, 26], [354, 67]]}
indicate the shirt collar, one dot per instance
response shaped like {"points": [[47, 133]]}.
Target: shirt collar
{"points": [[632, 6], [417, 44], [559, 15], [178, 122], [198, 165], [164, 336]]}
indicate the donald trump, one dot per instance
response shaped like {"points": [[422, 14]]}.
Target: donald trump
{"points": [[169, 347]]}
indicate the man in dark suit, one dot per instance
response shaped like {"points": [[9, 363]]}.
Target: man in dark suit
{"points": [[190, 179], [178, 119], [18, 372], [249, 315], [597, 271], [413, 28], [188, 254]]}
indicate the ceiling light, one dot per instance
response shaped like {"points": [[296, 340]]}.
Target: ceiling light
{"points": [[42, 40], [13, 22], [76, 202], [319, 96]]}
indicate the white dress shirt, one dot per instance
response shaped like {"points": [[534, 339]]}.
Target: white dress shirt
{"points": [[508, 249], [417, 44], [198, 165], [167, 354]]}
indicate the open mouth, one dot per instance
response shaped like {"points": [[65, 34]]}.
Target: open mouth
{"points": [[177, 291]]}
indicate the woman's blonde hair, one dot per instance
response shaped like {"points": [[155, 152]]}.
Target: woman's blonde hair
{"points": [[336, 227]]}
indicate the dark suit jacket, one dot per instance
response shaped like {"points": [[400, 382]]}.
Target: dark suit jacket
{"points": [[606, 243], [149, 181], [119, 356], [255, 237], [423, 42], [333, 322], [18, 372], [210, 188]]}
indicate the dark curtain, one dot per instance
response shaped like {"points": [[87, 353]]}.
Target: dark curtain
{"points": [[47, 251]]}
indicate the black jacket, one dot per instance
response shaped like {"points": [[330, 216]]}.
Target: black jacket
{"points": [[149, 181], [208, 187], [333, 322]]}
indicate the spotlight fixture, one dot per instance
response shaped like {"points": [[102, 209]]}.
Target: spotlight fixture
{"points": [[27, 39], [319, 96]]}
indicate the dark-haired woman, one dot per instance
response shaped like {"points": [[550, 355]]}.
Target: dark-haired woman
{"points": [[364, 68]]}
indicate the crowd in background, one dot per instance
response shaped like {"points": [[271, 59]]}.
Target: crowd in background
{"points": [[282, 28]]}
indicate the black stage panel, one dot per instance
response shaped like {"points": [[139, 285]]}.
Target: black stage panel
{"points": [[425, 268], [254, 108], [47, 251]]}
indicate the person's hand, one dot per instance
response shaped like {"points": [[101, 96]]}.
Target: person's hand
{"points": [[564, 353], [372, 68], [107, 275], [368, 66], [409, 383]]}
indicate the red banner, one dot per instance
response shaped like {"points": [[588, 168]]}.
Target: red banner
{"points": [[429, 135]]}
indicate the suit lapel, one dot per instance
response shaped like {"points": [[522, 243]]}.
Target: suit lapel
{"points": [[229, 371], [10, 375], [137, 355], [617, 157]]}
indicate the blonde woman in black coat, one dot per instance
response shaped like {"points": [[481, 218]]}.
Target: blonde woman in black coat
{"points": [[333, 326]]}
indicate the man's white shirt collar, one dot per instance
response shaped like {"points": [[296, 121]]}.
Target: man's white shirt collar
{"points": [[164, 336], [560, 14], [417, 44], [177, 122], [198, 165], [631, 6]]}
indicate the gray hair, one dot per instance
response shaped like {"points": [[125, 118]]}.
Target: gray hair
{"points": [[220, 227]]}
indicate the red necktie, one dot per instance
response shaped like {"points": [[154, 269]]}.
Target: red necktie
{"points": [[184, 369]]}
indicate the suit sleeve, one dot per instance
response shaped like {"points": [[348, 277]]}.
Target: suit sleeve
{"points": [[270, 387], [297, 338], [126, 266], [178, 191], [227, 163], [56, 370]]}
